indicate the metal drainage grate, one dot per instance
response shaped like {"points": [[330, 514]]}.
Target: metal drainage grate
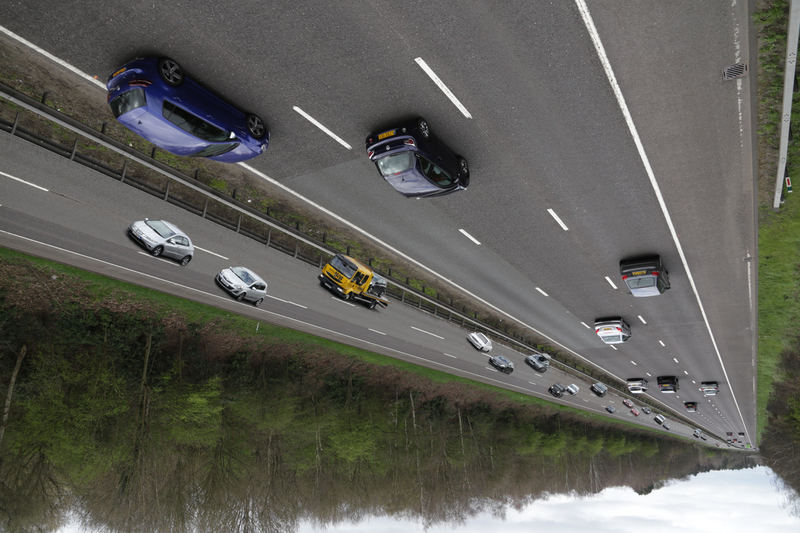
{"points": [[732, 72]]}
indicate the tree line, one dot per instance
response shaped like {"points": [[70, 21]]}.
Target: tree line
{"points": [[135, 417]]}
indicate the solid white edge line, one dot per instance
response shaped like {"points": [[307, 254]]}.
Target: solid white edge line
{"points": [[595, 37], [323, 128], [470, 237], [25, 182], [432, 75], [611, 283], [53, 58], [210, 252], [560, 223]]}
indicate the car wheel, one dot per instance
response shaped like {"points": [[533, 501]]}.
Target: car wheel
{"points": [[424, 129], [157, 251], [258, 302], [185, 260], [170, 71], [241, 296], [256, 126], [373, 304], [463, 167]]}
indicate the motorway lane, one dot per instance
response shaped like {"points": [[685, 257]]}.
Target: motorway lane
{"points": [[546, 133], [400, 332]]}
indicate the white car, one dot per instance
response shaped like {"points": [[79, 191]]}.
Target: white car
{"points": [[612, 330], [160, 237], [243, 284], [573, 389], [709, 388], [480, 341]]}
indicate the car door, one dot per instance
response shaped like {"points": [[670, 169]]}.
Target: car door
{"points": [[177, 247]]}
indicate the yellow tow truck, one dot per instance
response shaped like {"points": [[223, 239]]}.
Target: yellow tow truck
{"points": [[353, 280]]}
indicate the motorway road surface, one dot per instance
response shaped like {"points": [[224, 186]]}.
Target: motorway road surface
{"points": [[545, 132]]}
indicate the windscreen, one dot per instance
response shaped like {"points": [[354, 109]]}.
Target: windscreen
{"points": [[345, 269], [243, 274], [641, 283], [128, 101], [160, 228], [394, 164]]}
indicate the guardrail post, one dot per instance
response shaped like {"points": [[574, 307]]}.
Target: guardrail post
{"points": [[296, 247], [74, 149], [166, 191], [269, 236], [44, 96], [153, 153], [402, 296], [124, 170], [197, 173], [320, 260], [14, 127], [103, 129], [324, 236], [205, 207], [239, 223]]}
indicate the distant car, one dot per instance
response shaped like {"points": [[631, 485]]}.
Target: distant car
{"points": [[697, 432], [502, 364], [691, 407], [573, 389], [665, 426], [668, 384], [635, 412], [557, 390], [155, 99], [243, 284], [540, 362], [709, 388], [660, 419], [160, 237], [627, 403], [612, 330], [480, 341], [703, 437], [645, 276], [637, 385], [646, 410], [417, 165], [741, 437], [610, 409], [599, 389]]}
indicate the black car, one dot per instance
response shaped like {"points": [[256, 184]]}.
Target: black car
{"points": [[599, 389], [540, 362], [557, 390], [646, 410], [690, 406], [502, 364], [412, 161], [610, 409], [645, 276]]}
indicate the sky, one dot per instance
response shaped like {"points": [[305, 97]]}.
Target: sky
{"points": [[730, 500]]}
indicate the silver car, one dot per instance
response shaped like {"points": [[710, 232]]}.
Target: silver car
{"points": [[573, 389], [480, 341], [612, 330], [160, 237], [244, 284]]}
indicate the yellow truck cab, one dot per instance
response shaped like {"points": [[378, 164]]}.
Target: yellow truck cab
{"points": [[353, 280]]}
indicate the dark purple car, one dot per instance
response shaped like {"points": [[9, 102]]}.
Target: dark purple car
{"points": [[154, 99], [416, 164]]}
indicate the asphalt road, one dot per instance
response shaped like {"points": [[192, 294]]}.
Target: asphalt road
{"points": [[58, 210], [547, 133]]}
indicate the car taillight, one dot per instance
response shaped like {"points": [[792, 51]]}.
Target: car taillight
{"points": [[619, 329], [140, 83], [654, 273], [409, 142], [624, 277]]}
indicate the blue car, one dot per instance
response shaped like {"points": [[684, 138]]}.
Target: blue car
{"points": [[154, 99], [415, 163]]}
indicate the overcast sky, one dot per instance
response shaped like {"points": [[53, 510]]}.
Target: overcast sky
{"points": [[740, 500]]}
